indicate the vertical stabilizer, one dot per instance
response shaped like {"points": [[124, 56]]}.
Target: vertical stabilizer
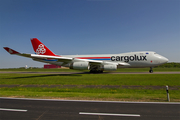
{"points": [[40, 48]]}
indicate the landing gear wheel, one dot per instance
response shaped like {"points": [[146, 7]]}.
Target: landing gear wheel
{"points": [[151, 70], [100, 71], [92, 71], [96, 71]]}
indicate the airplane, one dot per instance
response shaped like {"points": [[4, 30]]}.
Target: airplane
{"points": [[95, 63]]}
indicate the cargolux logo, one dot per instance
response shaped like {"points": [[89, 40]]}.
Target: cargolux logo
{"points": [[128, 58], [10, 51], [41, 49]]}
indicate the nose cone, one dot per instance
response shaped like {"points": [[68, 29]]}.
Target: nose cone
{"points": [[160, 58], [164, 60]]}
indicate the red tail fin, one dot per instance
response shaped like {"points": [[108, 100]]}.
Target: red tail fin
{"points": [[40, 48]]}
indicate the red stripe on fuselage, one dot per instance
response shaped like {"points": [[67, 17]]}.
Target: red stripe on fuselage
{"points": [[93, 57]]}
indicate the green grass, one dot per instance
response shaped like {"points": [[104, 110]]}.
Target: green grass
{"points": [[96, 94], [70, 70], [92, 93], [90, 79]]}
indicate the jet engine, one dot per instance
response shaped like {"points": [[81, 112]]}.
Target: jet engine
{"points": [[110, 67], [79, 65]]}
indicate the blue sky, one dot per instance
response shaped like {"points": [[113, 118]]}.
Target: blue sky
{"points": [[89, 27]]}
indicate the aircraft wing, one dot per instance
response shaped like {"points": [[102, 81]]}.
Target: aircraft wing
{"points": [[65, 60], [68, 60], [13, 52], [59, 58]]}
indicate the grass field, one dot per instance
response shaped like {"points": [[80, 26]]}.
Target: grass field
{"points": [[118, 70], [120, 87]]}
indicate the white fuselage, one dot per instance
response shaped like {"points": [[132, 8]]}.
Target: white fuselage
{"points": [[135, 59]]}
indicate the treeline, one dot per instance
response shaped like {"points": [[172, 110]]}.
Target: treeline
{"points": [[169, 65], [25, 68]]}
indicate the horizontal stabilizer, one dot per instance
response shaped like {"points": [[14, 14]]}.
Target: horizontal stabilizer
{"points": [[11, 51]]}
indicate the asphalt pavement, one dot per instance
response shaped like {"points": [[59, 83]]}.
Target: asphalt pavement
{"points": [[49, 109]]}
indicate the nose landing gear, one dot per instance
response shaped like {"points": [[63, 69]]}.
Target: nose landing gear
{"points": [[151, 70]]}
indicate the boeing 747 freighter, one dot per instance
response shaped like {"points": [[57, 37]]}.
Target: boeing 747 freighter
{"points": [[94, 63]]}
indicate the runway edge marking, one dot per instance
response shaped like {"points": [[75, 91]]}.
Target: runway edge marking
{"points": [[91, 101]]}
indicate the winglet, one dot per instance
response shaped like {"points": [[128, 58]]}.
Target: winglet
{"points": [[11, 51], [40, 48]]}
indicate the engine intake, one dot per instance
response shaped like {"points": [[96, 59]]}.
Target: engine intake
{"points": [[80, 66]]}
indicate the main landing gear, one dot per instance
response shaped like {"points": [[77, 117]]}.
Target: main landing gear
{"points": [[151, 70], [96, 71]]}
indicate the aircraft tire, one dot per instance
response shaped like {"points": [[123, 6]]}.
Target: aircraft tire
{"points": [[100, 71], [151, 71], [96, 71]]}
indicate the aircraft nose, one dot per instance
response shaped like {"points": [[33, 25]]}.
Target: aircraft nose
{"points": [[161, 59], [164, 60]]}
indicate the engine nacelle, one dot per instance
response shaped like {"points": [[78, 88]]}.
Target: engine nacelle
{"points": [[80, 66], [110, 67]]}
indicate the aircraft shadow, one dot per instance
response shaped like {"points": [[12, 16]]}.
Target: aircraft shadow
{"points": [[47, 75], [55, 74]]}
